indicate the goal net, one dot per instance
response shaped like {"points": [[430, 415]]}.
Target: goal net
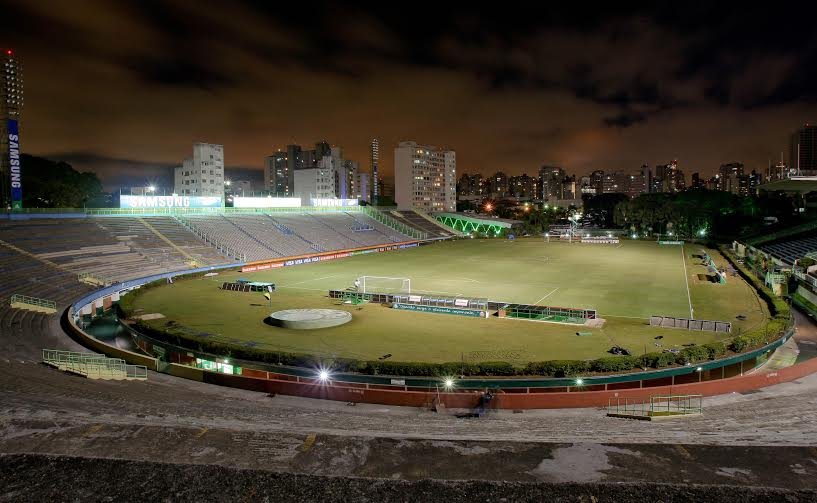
{"points": [[383, 284]]}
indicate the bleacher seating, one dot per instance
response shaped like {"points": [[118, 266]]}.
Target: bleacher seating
{"points": [[414, 219], [50, 254], [790, 249]]}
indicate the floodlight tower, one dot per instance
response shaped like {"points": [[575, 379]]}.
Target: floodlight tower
{"points": [[574, 224]]}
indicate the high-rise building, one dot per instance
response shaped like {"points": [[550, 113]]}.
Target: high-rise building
{"points": [[597, 181], [374, 167], [614, 182], [522, 186], [803, 150], [498, 185], [11, 107], [363, 185], [668, 178], [279, 180], [646, 172], [318, 182], [470, 185], [697, 182], [729, 176], [425, 177], [295, 158], [636, 184], [346, 178], [551, 181], [202, 174]]}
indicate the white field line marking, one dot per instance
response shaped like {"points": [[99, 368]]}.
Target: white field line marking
{"points": [[308, 280], [686, 280], [546, 296]]}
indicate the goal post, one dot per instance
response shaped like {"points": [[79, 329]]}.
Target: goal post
{"points": [[383, 284]]}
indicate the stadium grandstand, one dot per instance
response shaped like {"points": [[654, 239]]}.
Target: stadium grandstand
{"points": [[427, 223], [47, 258]]}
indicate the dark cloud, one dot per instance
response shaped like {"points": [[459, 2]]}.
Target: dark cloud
{"points": [[133, 84]]}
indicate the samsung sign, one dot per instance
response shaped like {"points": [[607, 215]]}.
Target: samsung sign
{"points": [[152, 202], [267, 202], [14, 163]]}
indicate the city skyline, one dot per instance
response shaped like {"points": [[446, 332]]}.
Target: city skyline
{"points": [[140, 83]]}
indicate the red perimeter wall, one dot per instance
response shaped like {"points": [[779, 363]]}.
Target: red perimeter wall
{"points": [[360, 393]]}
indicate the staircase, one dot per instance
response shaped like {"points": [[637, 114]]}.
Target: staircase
{"points": [[93, 365]]}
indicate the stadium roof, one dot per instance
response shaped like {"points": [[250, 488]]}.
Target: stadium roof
{"points": [[481, 219], [802, 185]]}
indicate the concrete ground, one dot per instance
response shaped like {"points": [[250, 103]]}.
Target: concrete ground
{"points": [[762, 439]]}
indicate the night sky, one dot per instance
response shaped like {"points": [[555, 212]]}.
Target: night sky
{"points": [[124, 89]]}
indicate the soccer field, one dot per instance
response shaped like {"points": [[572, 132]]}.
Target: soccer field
{"points": [[625, 283]]}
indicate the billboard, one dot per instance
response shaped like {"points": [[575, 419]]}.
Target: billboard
{"points": [[333, 202], [14, 165], [156, 202], [267, 202]]}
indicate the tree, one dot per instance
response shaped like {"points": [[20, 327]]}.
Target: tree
{"points": [[49, 184], [600, 209]]}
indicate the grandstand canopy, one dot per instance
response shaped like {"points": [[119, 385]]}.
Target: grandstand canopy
{"points": [[474, 223]]}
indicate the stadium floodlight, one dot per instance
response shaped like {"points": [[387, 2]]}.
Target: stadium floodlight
{"points": [[634, 236], [448, 383], [151, 189], [702, 232], [579, 381], [699, 369], [323, 375]]}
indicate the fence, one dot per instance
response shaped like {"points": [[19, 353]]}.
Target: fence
{"points": [[655, 406], [33, 301], [690, 324], [549, 313], [93, 365], [420, 300]]}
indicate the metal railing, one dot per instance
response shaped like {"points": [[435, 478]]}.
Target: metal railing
{"points": [[93, 365], [811, 280], [393, 223], [656, 406], [93, 278], [33, 301], [209, 239]]}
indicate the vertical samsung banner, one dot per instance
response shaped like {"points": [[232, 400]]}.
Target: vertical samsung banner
{"points": [[14, 166]]}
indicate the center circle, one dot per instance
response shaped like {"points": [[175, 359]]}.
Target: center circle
{"points": [[309, 319]]}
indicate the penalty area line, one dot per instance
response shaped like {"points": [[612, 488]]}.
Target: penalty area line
{"points": [[686, 281]]}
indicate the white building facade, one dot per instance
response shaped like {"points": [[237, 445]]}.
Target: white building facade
{"points": [[202, 174], [425, 178]]}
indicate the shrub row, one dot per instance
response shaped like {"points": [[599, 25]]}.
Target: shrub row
{"points": [[174, 334], [778, 308]]}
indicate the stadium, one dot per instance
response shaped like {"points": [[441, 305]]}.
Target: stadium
{"points": [[456, 323], [382, 253]]}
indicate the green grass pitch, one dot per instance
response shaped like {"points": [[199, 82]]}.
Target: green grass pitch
{"points": [[626, 283]]}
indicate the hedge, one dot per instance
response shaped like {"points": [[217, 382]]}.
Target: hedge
{"points": [[614, 363], [658, 360]]}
